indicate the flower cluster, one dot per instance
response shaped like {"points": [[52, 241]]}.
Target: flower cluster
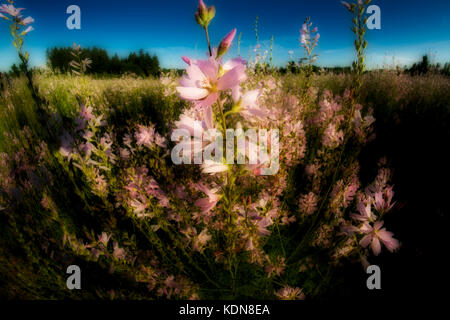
{"points": [[13, 14]]}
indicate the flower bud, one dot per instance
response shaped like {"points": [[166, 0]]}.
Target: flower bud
{"points": [[27, 21], [226, 43], [348, 6], [211, 13], [187, 60], [27, 30], [201, 6], [203, 16]]}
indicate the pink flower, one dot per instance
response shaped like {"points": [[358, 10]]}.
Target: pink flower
{"points": [[194, 127], [10, 9], [375, 234], [118, 253], [139, 208], [145, 136], [249, 245], [289, 293], [226, 43], [160, 141], [27, 21], [349, 229], [200, 131], [350, 192], [304, 29], [303, 39], [207, 204], [27, 30], [205, 79], [383, 200], [104, 238], [87, 149], [212, 167], [311, 169], [262, 225], [124, 153], [365, 212], [308, 203], [86, 113], [170, 282], [201, 240], [66, 144], [248, 103], [332, 138]]}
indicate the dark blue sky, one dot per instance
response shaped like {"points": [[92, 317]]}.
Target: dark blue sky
{"points": [[410, 28]]}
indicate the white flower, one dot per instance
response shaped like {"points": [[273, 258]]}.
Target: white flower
{"points": [[27, 30], [27, 20], [211, 167]]}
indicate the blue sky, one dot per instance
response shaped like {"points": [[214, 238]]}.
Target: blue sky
{"points": [[409, 28]]}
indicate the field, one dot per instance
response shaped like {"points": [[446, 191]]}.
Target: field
{"points": [[233, 180], [53, 214]]}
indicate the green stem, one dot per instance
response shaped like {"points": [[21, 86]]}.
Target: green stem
{"points": [[209, 43], [281, 240]]}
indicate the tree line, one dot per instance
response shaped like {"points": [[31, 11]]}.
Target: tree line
{"points": [[425, 66], [141, 63]]}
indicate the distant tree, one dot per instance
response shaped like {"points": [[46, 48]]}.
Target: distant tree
{"points": [[446, 69], [141, 63], [115, 65], [14, 71], [420, 68]]}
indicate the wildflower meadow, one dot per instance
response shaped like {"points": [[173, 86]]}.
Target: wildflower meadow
{"points": [[227, 180]]}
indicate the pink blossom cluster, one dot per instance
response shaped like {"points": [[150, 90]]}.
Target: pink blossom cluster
{"points": [[14, 14]]}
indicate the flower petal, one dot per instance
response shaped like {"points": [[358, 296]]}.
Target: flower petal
{"points": [[376, 246], [365, 241], [192, 93], [232, 78], [208, 101]]}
